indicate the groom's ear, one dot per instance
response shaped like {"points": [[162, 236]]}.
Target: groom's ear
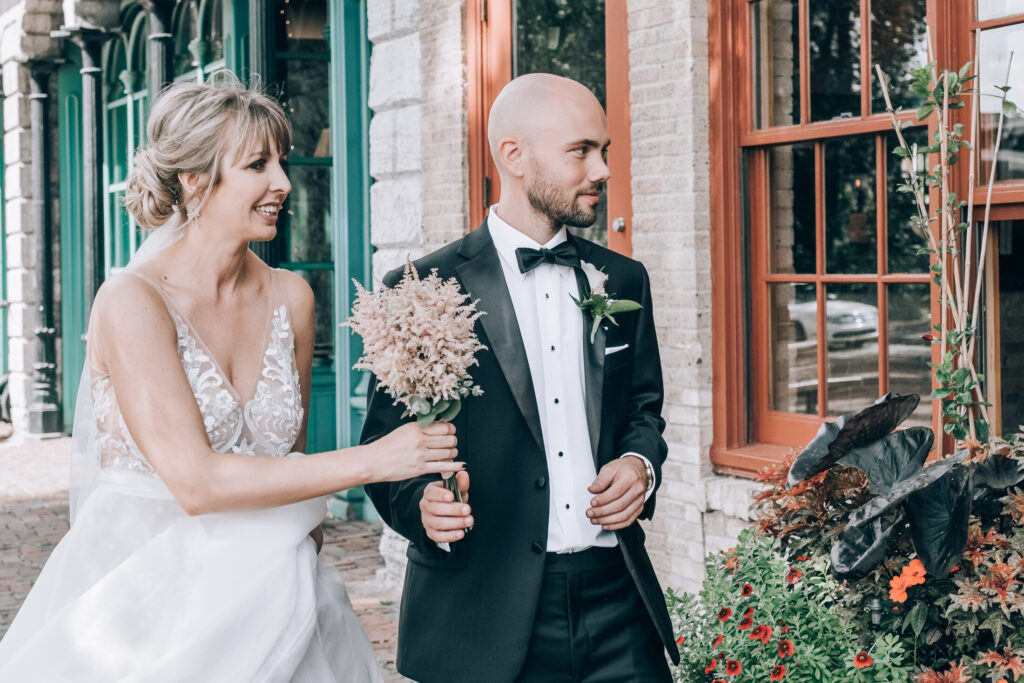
{"points": [[512, 156]]}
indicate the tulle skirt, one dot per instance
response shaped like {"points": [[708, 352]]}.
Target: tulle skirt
{"points": [[140, 591]]}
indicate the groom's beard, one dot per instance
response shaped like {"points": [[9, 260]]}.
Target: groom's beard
{"points": [[559, 207]]}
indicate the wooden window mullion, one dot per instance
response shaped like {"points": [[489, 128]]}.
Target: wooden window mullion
{"points": [[819, 269], [865, 58], [882, 240], [805, 61]]}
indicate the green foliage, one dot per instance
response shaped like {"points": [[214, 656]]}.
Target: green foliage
{"points": [[763, 608]]}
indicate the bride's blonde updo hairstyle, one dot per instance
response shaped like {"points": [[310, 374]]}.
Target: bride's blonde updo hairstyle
{"points": [[192, 128]]}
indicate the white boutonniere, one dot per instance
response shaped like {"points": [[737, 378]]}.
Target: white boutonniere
{"points": [[598, 303]]}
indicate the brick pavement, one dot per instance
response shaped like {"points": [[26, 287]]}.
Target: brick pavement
{"points": [[34, 517]]}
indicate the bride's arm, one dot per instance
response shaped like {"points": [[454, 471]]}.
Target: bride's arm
{"points": [[139, 348]]}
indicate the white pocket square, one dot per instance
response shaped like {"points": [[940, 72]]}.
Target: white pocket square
{"points": [[615, 349]]}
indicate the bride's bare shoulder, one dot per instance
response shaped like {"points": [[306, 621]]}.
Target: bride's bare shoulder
{"points": [[125, 300], [297, 292]]}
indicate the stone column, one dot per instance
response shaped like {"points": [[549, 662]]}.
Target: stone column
{"points": [[44, 410]]}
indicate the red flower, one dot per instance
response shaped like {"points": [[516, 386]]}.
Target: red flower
{"points": [[724, 614], [802, 558], [748, 612], [747, 590], [862, 659], [778, 672], [719, 680], [928, 337], [786, 649], [711, 667], [794, 575], [718, 641], [680, 640], [746, 623], [762, 633], [732, 668]]}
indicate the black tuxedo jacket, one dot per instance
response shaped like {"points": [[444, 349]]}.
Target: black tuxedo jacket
{"points": [[466, 615]]}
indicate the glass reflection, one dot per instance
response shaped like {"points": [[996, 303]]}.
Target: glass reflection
{"points": [[994, 52], [851, 328], [899, 42], [307, 218], [183, 25], [909, 314], [835, 59], [305, 99], [564, 38], [792, 208], [300, 25], [994, 9], [793, 311], [903, 237], [1010, 236], [776, 48], [851, 231], [322, 284]]}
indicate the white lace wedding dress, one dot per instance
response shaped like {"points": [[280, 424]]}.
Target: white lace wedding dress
{"points": [[140, 591]]}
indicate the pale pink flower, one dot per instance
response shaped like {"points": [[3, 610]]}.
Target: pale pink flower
{"points": [[418, 339]]}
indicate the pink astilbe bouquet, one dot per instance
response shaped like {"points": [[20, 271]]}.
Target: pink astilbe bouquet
{"points": [[418, 341]]}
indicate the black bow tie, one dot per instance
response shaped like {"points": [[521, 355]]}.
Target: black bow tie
{"points": [[562, 255]]}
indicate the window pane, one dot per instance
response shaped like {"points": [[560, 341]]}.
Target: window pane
{"points": [[1011, 323], [793, 311], [993, 9], [776, 50], [564, 38], [994, 50], [307, 222], [851, 327], [184, 29], [304, 98], [215, 36], [909, 308], [835, 59], [301, 25], [322, 284], [792, 208], [118, 144], [851, 230], [904, 239], [899, 42]]}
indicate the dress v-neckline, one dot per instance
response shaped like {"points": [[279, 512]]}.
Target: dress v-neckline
{"points": [[191, 331]]}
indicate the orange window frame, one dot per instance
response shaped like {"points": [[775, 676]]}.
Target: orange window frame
{"points": [[736, 447], [489, 65]]}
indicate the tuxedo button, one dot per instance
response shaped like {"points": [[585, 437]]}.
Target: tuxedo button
{"points": [[537, 548], [541, 482]]}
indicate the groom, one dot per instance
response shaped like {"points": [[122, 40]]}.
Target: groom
{"points": [[563, 451]]}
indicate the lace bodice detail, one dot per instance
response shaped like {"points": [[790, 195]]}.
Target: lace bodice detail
{"points": [[267, 424]]}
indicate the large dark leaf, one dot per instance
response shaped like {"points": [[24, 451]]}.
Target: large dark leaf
{"points": [[892, 458], [836, 439], [998, 472], [859, 549], [902, 490], [938, 516]]}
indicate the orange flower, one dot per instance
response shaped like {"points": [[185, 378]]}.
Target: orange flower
{"points": [[778, 673], [733, 668], [786, 649], [711, 667], [862, 659]]}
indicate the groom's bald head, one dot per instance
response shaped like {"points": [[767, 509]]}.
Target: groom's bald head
{"points": [[533, 105]]}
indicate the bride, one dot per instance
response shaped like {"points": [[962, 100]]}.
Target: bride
{"points": [[190, 555]]}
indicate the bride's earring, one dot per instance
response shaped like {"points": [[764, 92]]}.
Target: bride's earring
{"points": [[193, 212]]}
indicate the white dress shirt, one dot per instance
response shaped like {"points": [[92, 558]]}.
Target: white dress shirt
{"points": [[552, 330]]}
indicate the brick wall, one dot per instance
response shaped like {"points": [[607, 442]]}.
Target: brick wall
{"points": [[418, 158]]}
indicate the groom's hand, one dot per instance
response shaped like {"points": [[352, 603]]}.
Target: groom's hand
{"points": [[443, 519], [620, 489]]}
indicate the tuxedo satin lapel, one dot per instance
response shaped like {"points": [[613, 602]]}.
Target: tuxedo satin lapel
{"points": [[482, 277], [593, 360]]}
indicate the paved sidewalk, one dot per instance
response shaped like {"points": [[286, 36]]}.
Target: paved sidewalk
{"points": [[34, 517]]}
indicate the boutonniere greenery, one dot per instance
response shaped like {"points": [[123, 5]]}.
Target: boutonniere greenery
{"points": [[598, 303]]}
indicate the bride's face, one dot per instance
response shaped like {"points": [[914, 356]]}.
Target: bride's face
{"points": [[249, 196]]}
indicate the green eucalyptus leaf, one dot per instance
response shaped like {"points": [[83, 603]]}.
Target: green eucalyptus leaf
{"points": [[449, 413], [1009, 108], [622, 306], [424, 420]]}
